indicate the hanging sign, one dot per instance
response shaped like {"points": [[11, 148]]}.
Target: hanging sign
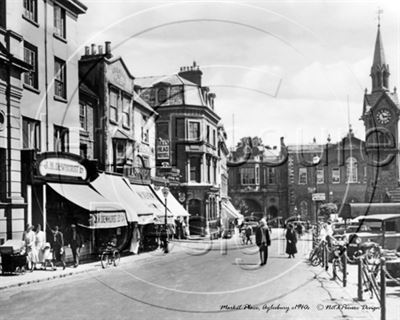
{"points": [[162, 149], [105, 220]]}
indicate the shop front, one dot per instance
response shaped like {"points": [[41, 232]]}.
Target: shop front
{"points": [[228, 216], [59, 194]]}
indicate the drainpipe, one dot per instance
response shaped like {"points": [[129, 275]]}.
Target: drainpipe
{"points": [[8, 173], [46, 84]]}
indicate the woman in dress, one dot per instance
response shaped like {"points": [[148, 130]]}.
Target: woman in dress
{"points": [[29, 238], [291, 240], [39, 244]]}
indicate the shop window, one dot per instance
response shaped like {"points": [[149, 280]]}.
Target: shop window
{"points": [[351, 170], [247, 176], [302, 175], [31, 134], [30, 57], [61, 139], [195, 169], [59, 22], [60, 85], [194, 130], [335, 175], [30, 9], [214, 139]]}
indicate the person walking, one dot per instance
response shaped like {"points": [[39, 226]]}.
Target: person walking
{"points": [[58, 247], [248, 232], [263, 241], [30, 249], [291, 241], [39, 244], [135, 241], [75, 243]]}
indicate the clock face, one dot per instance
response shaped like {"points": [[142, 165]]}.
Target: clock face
{"points": [[383, 116]]}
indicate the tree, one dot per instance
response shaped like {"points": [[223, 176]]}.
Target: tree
{"points": [[326, 209]]}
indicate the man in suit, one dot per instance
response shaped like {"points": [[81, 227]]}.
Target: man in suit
{"points": [[75, 243], [58, 247], [263, 241]]}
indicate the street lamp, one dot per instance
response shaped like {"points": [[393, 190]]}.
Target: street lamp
{"points": [[165, 192], [315, 161]]}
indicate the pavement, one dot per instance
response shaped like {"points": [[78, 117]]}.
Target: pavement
{"points": [[322, 293]]}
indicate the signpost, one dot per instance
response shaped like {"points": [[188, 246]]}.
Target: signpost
{"points": [[318, 197]]}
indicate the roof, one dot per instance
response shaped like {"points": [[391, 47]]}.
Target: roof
{"points": [[143, 103], [379, 54], [173, 80], [371, 99], [83, 87]]}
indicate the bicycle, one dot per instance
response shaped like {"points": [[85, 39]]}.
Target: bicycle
{"points": [[110, 256], [338, 260], [316, 256]]}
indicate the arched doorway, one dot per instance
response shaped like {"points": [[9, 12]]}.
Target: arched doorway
{"points": [[196, 220], [272, 212]]}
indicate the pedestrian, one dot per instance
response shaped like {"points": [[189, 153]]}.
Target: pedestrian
{"points": [[164, 238], [134, 247], [291, 241], [263, 241], [299, 229], [39, 244], [248, 232], [75, 243], [58, 247], [30, 249]]}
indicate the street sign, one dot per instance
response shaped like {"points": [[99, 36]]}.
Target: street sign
{"points": [[318, 197]]}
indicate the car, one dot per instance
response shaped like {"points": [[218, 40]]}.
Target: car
{"points": [[378, 229]]}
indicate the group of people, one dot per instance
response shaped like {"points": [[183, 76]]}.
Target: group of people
{"points": [[39, 253]]}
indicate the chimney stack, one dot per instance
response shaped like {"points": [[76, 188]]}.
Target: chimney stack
{"points": [[87, 50], [108, 49], [192, 73], [93, 49], [100, 49]]}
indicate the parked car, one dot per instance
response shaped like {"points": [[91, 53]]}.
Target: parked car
{"points": [[380, 229]]}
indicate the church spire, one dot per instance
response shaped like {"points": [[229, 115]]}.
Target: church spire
{"points": [[379, 70]]}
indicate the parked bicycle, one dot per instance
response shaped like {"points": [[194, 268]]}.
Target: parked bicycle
{"points": [[339, 261], [318, 254], [110, 256]]}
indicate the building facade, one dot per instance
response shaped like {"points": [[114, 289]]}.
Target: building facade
{"points": [[44, 115], [258, 179], [187, 143]]}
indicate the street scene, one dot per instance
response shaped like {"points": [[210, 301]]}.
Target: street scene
{"points": [[199, 160]]}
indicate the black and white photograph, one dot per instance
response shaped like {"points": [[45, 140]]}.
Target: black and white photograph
{"points": [[199, 159]]}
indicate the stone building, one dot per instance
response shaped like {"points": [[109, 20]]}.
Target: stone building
{"points": [[39, 107], [258, 179], [124, 124], [187, 142]]}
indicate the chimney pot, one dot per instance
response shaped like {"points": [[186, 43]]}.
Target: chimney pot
{"points": [[87, 50], [108, 48], [93, 49], [100, 49]]}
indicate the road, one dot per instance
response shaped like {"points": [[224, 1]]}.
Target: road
{"points": [[197, 280]]}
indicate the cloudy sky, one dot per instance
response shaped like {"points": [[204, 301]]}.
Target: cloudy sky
{"points": [[282, 68]]}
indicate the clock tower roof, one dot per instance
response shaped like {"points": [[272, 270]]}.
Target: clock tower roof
{"points": [[380, 69]]}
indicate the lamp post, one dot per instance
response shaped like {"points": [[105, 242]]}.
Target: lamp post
{"points": [[165, 192], [316, 160]]}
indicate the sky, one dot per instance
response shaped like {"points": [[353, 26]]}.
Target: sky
{"points": [[292, 69]]}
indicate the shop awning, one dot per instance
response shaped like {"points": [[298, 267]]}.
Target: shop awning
{"points": [[173, 205], [229, 211], [152, 203], [103, 212], [117, 189]]}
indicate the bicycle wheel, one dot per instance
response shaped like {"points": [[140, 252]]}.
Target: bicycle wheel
{"points": [[315, 261], [117, 258], [105, 260]]}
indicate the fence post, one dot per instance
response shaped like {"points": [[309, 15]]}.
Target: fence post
{"points": [[344, 257], [383, 288], [359, 280]]}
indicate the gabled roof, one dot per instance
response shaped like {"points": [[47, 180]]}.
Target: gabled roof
{"points": [[113, 60], [143, 103], [372, 99]]}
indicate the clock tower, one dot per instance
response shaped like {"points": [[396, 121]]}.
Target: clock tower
{"points": [[381, 117]]}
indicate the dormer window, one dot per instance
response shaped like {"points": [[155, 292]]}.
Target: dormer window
{"points": [[161, 96]]}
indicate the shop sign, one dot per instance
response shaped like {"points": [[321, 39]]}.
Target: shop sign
{"points": [[62, 167], [318, 197], [162, 149], [104, 220]]}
